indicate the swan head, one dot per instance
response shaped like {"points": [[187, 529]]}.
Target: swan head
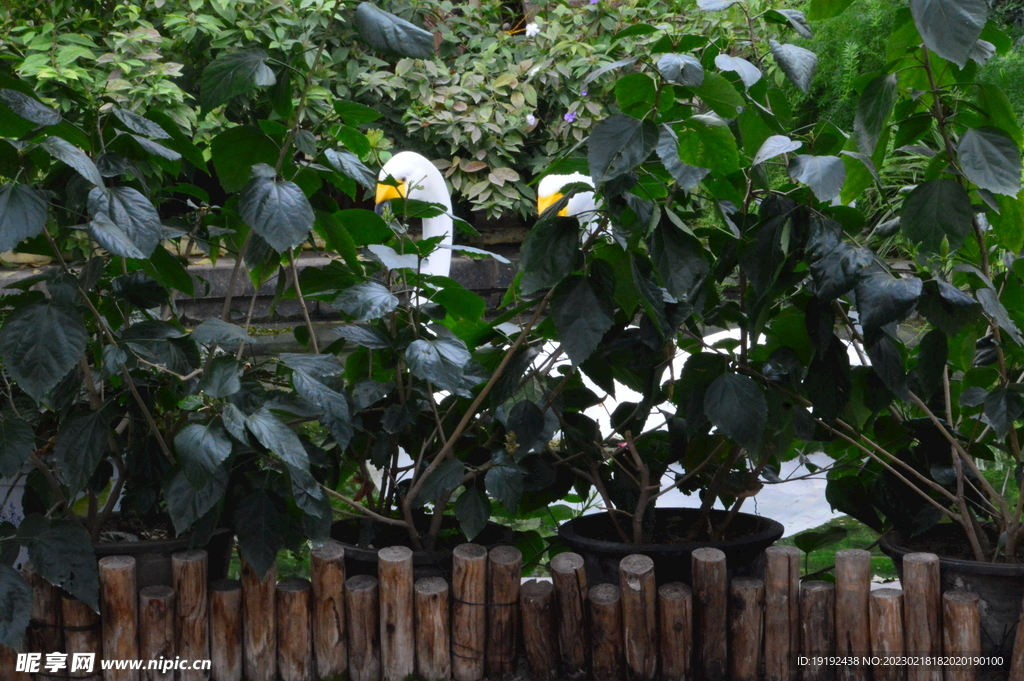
{"points": [[549, 191], [416, 178]]}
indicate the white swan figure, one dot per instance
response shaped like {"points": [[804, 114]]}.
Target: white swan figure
{"points": [[581, 205], [418, 179]]}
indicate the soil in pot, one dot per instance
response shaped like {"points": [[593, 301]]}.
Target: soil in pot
{"points": [[1000, 586], [362, 539], [594, 537]]}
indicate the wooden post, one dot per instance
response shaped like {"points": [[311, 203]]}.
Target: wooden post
{"points": [[605, 632], [921, 612], [746, 614], [259, 630], [83, 635], [675, 626], [710, 596], [45, 633], [330, 647], [433, 643], [361, 614], [818, 628], [961, 632], [469, 614], [156, 629], [853, 584], [9, 662], [193, 616], [119, 609], [639, 616], [397, 644], [539, 638], [781, 612], [886, 606], [226, 630], [504, 566], [570, 580], [294, 642], [1017, 657]]}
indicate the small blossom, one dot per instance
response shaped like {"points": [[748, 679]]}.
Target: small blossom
{"points": [[570, 117], [583, 94], [593, 2], [532, 29], [531, 120]]}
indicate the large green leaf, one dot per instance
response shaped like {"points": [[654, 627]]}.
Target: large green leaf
{"points": [[776, 145], [798, 63], [716, 5], [15, 607], [29, 108], [873, 110], [681, 69], [187, 504], [278, 211], [823, 174], [220, 331], [504, 482], [736, 405], [837, 272], [883, 299], [581, 308], [849, 495], [550, 252], [618, 144], [222, 377], [233, 74], [678, 258], [259, 528], [236, 150], [995, 309], [349, 165], [826, 9], [937, 209], [337, 415], [747, 72], [445, 478], [946, 307], [828, 382], [112, 238], [78, 448], [720, 95], [277, 437], [441, 361], [932, 355], [887, 363], [473, 510], [950, 28], [366, 301], [709, 146], [132, 212], [1002, 408], [202, 449], [61, 553], [62, 150], [22, 214], [385, 32], [141, 124], [40, 344], [17, 441], [685, 175], [990, 159]]}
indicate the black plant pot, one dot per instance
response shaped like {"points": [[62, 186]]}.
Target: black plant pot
{"points": [[362, 559], [1000, 587], [153, 556], [594, 538]]}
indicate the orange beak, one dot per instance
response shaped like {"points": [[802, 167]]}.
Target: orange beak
{"points": [[545, 202]]}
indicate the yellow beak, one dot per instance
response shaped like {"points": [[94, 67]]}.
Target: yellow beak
{"points": [[545, 202], [386, 192]]}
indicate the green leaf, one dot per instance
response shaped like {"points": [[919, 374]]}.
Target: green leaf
{"points": [[887, 363], [618, 144], [112, 238], [445, 478], [65, 151], [278, 438], [950, 28], [990, 302], [338, 239], [441, 361], [365, 335], [40, 343], [278, 211], [236, 150], [823, 174], [17, 441], [385, 32], [202, 449], [719, 94], [460, 303], [222, 332], [61, 553], [550, 252], [222, 378], [937, 209], [366, 301], [736, 405], [999, 110], [828, 382], [131, 212], [813, 541], [797, 63], [473, 510], [140, 124], [932, 354], [234, 422], [685, 175], [836, 273], [636, 94], [849, 495], [29, 108], [681, 69], [151, 147], [747, 72], [581, 308], [504, 482], [883, 299], [947, 308], [709, 146], [319, 366], [22, 214], [873, 110], [356, 142], [169, 271], [349, 165], [776, 145], [795, 18], [78, 448], [355, 114], [337, 415], [233, 74], [15, 607], [990, 159], [715, 5], [826, 9], [179, 141], [259, 527], [1002, 408], [678, 258], [186, 504]]}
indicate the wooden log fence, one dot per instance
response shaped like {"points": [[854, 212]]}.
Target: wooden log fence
{"points": [[489, 624]]}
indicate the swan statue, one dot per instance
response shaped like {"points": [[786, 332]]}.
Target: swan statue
{"points": [[581, 205]]}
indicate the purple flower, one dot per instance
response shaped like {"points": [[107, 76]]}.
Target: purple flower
{"points": [[583, 94], [593, 2], [570, 117]]}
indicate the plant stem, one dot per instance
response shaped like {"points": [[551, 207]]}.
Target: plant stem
{"points": [[302, 302]]}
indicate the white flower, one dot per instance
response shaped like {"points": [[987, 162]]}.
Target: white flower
{"points": [[532, 29], [531, 120]]}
